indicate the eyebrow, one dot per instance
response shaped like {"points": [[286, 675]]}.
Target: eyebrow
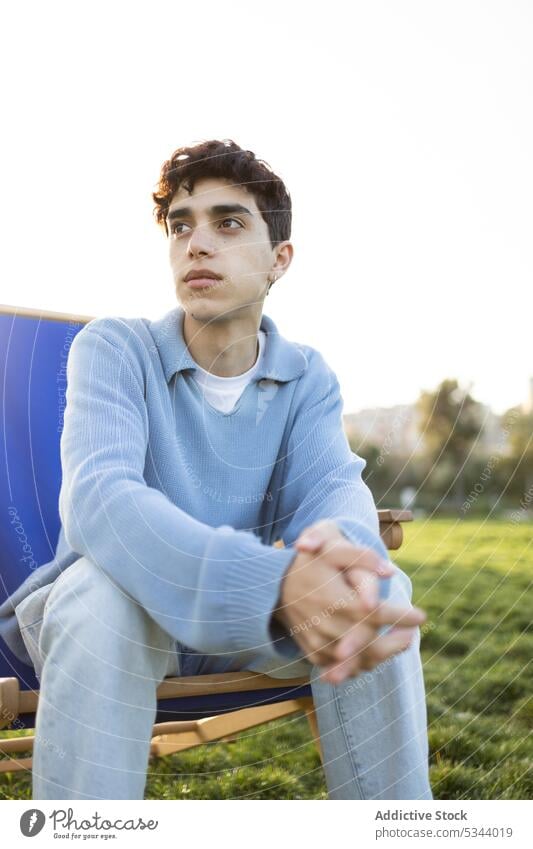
{"points": [[219, 209]]}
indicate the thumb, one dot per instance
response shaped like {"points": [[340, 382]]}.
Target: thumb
{"points": [[310, 540]]}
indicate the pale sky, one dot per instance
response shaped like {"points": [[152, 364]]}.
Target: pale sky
{"points": [[403, 131]]}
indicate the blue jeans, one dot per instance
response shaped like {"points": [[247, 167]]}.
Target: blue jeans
{"points": [[100, 657]]}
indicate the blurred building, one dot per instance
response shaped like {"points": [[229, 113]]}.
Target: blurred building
{"points": [[394, 429]]}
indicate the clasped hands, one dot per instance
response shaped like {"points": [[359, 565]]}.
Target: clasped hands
{"points": [[329, 603]]}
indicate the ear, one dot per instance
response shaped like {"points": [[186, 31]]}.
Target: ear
{"points": [[283, 254]]}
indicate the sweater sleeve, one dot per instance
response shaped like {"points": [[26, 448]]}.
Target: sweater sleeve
{"points": [[322, 476], [212, 588]]}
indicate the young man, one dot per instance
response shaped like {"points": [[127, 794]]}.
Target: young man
{"points": [[190, 445]]}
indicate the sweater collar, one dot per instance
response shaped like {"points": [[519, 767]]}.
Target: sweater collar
{"points": [[282, 360]]}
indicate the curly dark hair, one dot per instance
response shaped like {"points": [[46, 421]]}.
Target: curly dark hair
{"points": [[225, 159]]}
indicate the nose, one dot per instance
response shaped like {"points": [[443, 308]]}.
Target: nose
{"points": [[200, 242]]}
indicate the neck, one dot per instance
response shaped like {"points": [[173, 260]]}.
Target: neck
{"points": [[225, 347]]}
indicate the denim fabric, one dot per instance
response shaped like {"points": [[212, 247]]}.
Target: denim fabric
{"points": [[100, 657]]}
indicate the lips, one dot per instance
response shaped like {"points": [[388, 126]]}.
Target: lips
{"points": [[202, 282], [201, 274]]}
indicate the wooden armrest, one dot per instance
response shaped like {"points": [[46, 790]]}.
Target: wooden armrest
{"points": [[390, 528], [9, 701]]}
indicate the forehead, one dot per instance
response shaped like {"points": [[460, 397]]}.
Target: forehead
{"points": [[209, 191]]}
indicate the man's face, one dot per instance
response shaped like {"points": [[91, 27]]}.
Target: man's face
{"points": [[219, 228]]}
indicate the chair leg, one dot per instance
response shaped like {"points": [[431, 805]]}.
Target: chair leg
{"points": [[309, 708], [14, 765], [9, 747], [172, 737]]}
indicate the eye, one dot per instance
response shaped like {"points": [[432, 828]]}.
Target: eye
{"points": [[174, 228], [235, 221]]}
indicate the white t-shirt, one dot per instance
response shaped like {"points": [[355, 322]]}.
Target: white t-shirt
{"points": [[224, 392]]}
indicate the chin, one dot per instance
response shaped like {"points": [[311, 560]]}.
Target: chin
{"points": [[201, 309]]}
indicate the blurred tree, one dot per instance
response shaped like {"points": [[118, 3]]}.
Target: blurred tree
{"points": [[387, 474], [450, 421]]}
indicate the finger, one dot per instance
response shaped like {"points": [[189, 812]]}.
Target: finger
{"points": [[365, 579], [338, 672], [309, 542], [320, 649], [388, 645], [340, 669], [386, 569], [365, 584], [391, 614], [384, 646], [345, 554], [364, 633], [318, 657], [364, 630], [375, 568], [312, 538]]}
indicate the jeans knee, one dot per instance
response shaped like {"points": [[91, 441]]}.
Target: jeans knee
{"points": [[86, 606]]}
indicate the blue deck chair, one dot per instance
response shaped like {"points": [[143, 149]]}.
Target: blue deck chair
{"points": [[191, 711]]}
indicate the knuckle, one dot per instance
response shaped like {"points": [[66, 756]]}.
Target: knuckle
{"points": [[320, 646], [371, 659], [339, 549], [355, 667], [379, 614], [321, 656]]}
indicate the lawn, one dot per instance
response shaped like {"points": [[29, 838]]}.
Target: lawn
{"points": [[474, 580]]}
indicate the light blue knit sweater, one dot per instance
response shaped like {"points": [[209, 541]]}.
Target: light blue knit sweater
{"points": [[180, 503]]}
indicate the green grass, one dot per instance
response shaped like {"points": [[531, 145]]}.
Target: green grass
{"points": [[474, 580]]}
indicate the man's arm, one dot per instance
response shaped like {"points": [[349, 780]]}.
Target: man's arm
{"points": [[211, 588], [322, 476]]}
